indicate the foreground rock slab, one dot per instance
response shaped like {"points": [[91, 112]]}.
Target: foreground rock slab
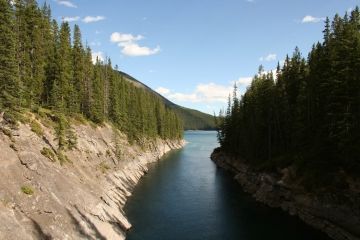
{"points": [[81, 199]]}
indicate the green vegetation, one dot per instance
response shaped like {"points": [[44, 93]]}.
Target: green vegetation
{"points": [[27, 190], [63, 158], [43, 67], [192, 119], [47, 152], [36, 128], [104, 167], [308, 117]]}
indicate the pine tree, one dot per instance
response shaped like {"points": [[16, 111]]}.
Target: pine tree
{"points": [[78, 80], [62, 87], [9, 82]]}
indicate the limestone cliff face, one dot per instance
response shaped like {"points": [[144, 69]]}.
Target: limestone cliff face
{"points": [[338, 216], [84, 198]]}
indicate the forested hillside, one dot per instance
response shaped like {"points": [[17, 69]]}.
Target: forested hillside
{"points": [[43, 65], [192, 119], [308, 115]]}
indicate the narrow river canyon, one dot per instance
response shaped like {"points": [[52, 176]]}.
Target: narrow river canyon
{"points": [[185, 196]]}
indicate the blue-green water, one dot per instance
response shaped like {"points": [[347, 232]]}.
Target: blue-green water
{"points": [[185, 196]]}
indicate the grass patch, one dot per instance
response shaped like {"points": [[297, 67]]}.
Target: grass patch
{"points": [[36, 128], [7, 132], [47, 152], [63, 158], [80, 119], [27, 190], [104, 167], [11, 118]]}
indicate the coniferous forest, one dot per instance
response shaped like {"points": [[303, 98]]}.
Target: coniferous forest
{"points": [[307, 115], [45, 66]]}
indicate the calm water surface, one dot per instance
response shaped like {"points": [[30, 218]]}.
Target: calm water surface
{"points": [[186, 197]]}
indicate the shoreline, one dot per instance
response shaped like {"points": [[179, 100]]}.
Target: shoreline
{"points": [[338, 221], [82, 198]]}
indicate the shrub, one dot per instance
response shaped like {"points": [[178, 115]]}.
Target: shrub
{"points": [[104, 167], [36, 128], [63, 158], [47, 152], [27, 190], [8, 133]]}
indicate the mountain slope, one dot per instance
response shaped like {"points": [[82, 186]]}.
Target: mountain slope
{"points": [[193, 119]]}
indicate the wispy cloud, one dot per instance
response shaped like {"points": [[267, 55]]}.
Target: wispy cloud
{"points": [[312, 19], [71, 19], [91, 19], [129, 46], [207, 93], [117, 37], [162, 90], [66, 3], [270, 57]]}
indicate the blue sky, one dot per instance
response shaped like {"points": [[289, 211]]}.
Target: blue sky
{"points": [[192, 51]]}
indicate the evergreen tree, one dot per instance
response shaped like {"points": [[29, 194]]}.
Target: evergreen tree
{"points": [[9, 81], [309, 117], [78, 81], [62, 87]]}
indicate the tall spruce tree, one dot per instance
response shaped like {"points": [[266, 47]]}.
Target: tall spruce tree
{"points": [[9, 81]]}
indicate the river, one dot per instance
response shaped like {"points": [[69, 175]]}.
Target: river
{"points": [[185, 196]]}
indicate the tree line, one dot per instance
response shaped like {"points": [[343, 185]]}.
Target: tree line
{"points": [[43, 65], [308, 114]]}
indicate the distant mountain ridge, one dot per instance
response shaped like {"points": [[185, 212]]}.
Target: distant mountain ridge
{"points": [[193, 119]]}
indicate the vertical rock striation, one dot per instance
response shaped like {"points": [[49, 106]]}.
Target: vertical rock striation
{"points": [[84, 198]]}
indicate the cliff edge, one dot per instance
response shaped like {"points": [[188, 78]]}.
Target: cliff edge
{"points": [[82, 198], [338, 215]]}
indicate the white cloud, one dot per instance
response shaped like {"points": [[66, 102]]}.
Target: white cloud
{"points": [[311, 19], [66, 3], [210, 92], [129, 46], [117, 37], [270, 57], [205, 93], [99, 55], [182, 97], [91, 19], [71, 19], [244, 81], [135, 50], [162, 90]]}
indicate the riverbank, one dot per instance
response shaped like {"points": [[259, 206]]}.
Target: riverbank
{"points": [[338, 215], [82, 198]]}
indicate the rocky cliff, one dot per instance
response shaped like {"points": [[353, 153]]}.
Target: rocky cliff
{"points": [[338, 215], [80, 199]]}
